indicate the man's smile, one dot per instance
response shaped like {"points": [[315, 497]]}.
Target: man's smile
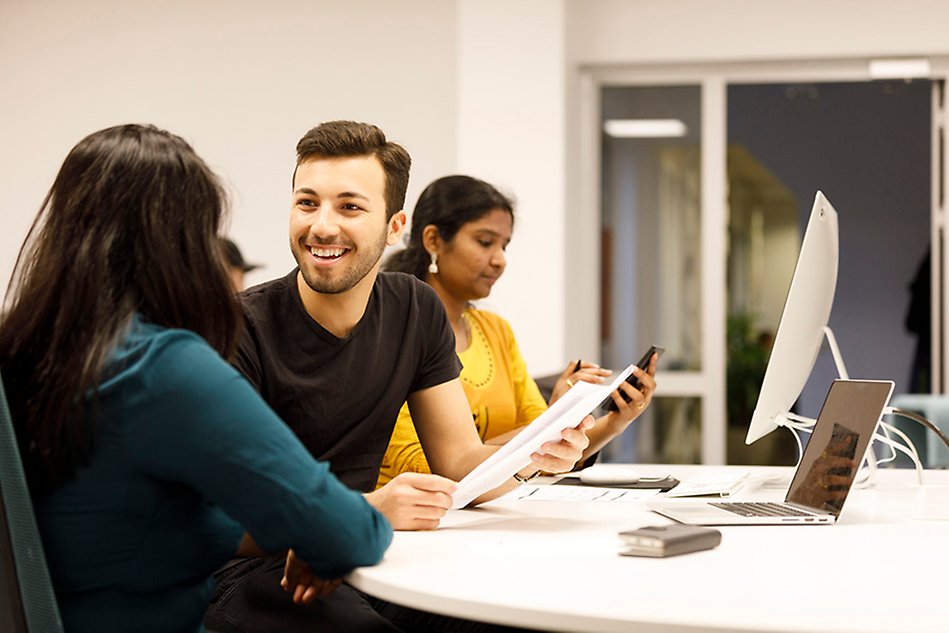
{"points": [[327, 253]]}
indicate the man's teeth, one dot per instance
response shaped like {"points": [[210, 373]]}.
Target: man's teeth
{"points": [[327, 252]]}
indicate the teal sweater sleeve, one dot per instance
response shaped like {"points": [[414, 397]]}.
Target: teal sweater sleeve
{"points": [[200, 423]]}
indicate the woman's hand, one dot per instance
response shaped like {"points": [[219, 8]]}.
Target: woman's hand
{"points": [[587, 372], [612, 424], [639, 399]]}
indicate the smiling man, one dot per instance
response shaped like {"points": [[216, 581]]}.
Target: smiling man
{"points": [[336, 348]]}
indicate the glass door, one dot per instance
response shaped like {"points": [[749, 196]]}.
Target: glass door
{"points": [[651, 254], [700, 226]]}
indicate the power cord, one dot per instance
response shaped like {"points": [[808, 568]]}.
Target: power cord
{"points": [[915, 417], [799, 423], [908, 447]]}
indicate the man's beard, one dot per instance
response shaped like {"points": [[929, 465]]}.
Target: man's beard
{"points": [[356, 272]]}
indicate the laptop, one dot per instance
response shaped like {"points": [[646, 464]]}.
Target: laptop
{"points": [[823, 478]]}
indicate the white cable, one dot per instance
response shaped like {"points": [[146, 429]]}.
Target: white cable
{"points": [[909, 449], [887, 460], [800, 447], [866, 469], [796, 424], [862, 480], [800, 419], [893, 453]]}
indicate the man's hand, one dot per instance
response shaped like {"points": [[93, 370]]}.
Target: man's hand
{"points": [[562, 456], [414, 501], [299, 580]]}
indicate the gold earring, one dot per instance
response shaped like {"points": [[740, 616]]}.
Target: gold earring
{"points": [[433, 267]]}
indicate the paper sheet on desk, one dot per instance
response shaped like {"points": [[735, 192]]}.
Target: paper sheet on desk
{"points": [[580, 493], [567, 412]]}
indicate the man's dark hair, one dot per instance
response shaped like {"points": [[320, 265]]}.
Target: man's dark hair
{"points": [[343, 139], [129, 227]]}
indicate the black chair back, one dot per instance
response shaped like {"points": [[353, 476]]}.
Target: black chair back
{"points": [[27, 601]]}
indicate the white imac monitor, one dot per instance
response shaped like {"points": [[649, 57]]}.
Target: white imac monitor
{"points": [[803, 323]]}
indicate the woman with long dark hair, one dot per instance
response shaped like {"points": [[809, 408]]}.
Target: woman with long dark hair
{"points": [[461, 227], [148, 456]]}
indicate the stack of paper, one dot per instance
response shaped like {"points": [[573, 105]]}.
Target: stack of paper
{"points": [[566, 413]]}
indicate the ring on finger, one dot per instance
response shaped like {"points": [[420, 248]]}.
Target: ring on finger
{"points": [[641, 405], [569, 383]]}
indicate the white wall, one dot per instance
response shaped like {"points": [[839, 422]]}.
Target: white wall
{"points": [[511, 127], [488, 87], [649, 31], [241, 80]]}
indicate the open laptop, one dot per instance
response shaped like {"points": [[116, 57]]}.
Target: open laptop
{"points": [[825, 475]]}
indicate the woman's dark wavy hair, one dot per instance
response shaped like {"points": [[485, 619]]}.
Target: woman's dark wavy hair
{"points": [[129, 226], [448, 203]]}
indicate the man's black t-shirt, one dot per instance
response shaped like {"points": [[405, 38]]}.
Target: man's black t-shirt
{"points": [[341, 396]]}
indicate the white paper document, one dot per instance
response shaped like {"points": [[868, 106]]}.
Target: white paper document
{"points": [[566, 413], [580, 493]]}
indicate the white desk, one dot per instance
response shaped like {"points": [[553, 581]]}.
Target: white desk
{"points": [[554, 566]]}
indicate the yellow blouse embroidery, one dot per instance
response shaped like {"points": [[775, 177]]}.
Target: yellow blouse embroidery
{"points": [[500, 392]]}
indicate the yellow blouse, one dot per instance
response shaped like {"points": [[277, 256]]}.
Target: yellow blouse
{"points": [[501, 393]]}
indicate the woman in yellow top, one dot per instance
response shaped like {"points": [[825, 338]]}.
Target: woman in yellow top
{"points": [[461, 227]]}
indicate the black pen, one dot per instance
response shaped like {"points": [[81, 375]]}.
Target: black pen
{"points": [[576, 368]]}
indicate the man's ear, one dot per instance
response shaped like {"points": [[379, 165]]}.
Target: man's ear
{"points": [[431, 239], [396, 228]]}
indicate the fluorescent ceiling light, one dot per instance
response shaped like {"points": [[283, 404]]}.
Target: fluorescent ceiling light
{"points": [[899, 68], [644, 128]]}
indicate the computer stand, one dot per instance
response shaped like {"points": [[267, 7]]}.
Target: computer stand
{"points": [[796, 423]]}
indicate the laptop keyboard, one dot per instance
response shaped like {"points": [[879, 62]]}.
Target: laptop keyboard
{"points": [[760, 509]]}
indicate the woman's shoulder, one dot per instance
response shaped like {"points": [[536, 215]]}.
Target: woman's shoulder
{"points": [[151, 350], [146, 336]]}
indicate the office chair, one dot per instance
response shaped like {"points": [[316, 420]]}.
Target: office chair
{"points": [[27, 601]]}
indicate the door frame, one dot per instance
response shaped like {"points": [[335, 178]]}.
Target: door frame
{"points": [[708, 384]]}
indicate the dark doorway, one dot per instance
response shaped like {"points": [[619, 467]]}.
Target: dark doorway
{"points": [[867, 147]]}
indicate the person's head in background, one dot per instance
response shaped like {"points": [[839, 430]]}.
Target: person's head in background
{"points": [[461, 227], [348, 192], [237, 266], [129, 226]]}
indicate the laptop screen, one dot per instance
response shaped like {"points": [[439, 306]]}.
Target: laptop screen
{"points": [[839, 440]]}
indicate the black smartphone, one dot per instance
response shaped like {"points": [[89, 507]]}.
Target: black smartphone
{"points": [[632, 379]]}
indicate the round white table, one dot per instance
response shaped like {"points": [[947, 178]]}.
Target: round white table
{"points": [[553, 565]]}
